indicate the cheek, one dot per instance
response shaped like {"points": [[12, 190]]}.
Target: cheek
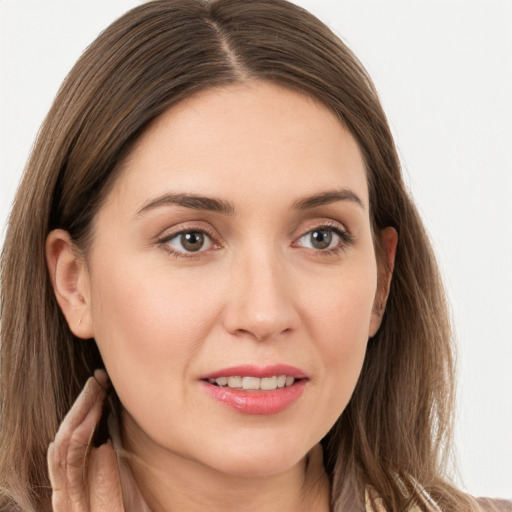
{"points": [[338, 320], [146, 324], [337, 310]]}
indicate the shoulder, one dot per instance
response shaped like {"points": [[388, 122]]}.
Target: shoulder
{"points": [[494, 505], [427, 504], [424, 502]]}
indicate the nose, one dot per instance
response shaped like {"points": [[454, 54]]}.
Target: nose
{"points": [[261, 299]]}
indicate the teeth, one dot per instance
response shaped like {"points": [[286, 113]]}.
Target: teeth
{"points": [[251, 383], [254, 383], [235, 382], [268, 383]]}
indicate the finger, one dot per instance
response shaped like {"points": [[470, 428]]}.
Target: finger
{"points": [[102, 378], [104, 481], [67, 454], [62, 501], [89, 400]]}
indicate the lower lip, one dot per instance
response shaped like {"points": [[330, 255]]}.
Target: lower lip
{"points": [[257, 402]]}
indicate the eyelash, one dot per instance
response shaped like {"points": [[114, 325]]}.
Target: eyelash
{"points": [[164, 242], [346, 240]]}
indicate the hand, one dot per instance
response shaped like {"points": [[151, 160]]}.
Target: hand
{"points": [[84, 478]]}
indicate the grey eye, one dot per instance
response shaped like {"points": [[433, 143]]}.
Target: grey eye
{"points": [[190, 241], [320, 239]]}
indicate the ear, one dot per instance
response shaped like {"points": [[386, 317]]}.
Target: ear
{"points": [[387, 242], [70, 280]]}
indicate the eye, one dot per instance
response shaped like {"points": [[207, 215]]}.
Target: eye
{"points": [[322, 239], [189, 241]]}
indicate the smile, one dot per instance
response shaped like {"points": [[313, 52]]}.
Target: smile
{"points": [[253, 383], [256, 390]]}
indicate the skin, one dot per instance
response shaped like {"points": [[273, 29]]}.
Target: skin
{"points": [[67, 453], [258, 292]]}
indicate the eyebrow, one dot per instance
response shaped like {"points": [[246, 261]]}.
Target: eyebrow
{"points": [[197, 202], [192, 201], [324, 198]]}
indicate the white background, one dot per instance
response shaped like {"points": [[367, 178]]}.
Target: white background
{"points": [[444, 73]]}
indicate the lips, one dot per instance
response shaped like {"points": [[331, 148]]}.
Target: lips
{"points": [[256, 390]]}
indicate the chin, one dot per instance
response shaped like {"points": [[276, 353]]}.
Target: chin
{"points": [[258, 459]]}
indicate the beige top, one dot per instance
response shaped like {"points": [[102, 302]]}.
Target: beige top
{"points": [[429, 505]]}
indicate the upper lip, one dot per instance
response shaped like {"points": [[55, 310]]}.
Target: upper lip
{"points": [[250, 370]]}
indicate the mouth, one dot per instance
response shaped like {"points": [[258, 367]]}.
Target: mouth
{"points": [[256, 390]]}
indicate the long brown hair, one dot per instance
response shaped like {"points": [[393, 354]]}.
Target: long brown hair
{"points": [[394, 433]]}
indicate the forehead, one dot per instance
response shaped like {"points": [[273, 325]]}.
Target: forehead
{"points": [[250, 138]]}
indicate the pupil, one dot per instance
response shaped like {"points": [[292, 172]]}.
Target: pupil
{"points": [[192, 241], [321, 238]]}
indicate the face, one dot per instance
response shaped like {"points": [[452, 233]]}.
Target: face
{"points": [[235, 251]]}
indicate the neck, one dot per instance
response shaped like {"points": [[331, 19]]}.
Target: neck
{"points": [[169, 482]]}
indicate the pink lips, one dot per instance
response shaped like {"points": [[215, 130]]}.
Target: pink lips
{"points": [[257, 402]]}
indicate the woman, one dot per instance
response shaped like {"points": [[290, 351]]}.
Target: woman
{"points": [[215, 215]]}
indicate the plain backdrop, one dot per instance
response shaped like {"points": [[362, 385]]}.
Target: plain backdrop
{"points": [[444, 73]]}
